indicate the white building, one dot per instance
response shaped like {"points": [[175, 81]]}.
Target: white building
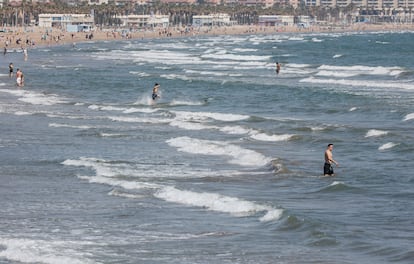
{"points": [[212, 20], [63, 20], [142, 21], [276, 20], [97, 2]]}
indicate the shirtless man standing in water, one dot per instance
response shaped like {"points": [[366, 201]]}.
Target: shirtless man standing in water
{"points": [[19, 78], [155, 94], [327, 168]]}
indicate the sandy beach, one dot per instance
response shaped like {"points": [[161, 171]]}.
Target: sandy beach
{"points": [[30, 37]]}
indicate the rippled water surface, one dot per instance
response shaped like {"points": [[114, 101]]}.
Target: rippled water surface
{"points": [[226, 167]]}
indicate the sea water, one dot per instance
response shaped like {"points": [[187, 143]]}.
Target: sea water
{"points": [[226, 167]]}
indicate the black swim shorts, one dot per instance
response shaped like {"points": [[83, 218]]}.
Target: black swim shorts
{"points": [[327, 169]]}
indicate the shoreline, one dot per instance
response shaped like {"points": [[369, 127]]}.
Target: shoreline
{"points": [[20, 38]]}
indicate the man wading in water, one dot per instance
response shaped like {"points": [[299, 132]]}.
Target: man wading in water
{"points": [[327, 168]]}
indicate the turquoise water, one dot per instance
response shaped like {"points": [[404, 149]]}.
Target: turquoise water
{"points": [[226, 167]]}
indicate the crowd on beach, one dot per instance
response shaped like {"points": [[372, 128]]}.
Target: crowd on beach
{"points": [[30, 37]]}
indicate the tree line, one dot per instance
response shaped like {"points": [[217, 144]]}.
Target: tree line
{"points": [[180, 14]]}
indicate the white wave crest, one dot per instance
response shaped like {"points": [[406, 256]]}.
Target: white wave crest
{"points": [[409, 117], [347, 82], [336, 74], [360, 69], [387, 146], [139, 119], [183, 102], [184, 115], [23, 250], [238, 155], [218, 203], [376, 133], [69, 126], [35, 98], [271, 138]]}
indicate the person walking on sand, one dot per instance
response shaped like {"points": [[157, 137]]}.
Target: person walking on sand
{"points": [[11, 69], [278, 65], [327, 168], [155, 94]]}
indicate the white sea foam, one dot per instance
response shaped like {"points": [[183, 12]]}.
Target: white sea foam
{"points": [[69, 126], [336, 183], [317, 40], [199, 116], [296, 38], [409, 117], [190, 125], [139, 119], [22, 113], [24, 250], [238, 155], [107, 169], [244, 50], [184, 102], [297, 65], [360, 69], [140, 74], [347, 82], [175, 77], [271, 138], [235, 130], [235, 57], [336, 74], [106, 108], [111, 135], [107, 173], [167, 57], [127, 185], [219, 203], [35, 98], [387, 146], [140, 110], [376, 133]]}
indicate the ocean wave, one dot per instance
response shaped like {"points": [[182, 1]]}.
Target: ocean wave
{"points": [[238, 155], [24, 250], [376, 133], [233, 57], [150, 120], [388, 145], [176, 102], [271, 138], [219, 203], [109, 173], [36, 98], [325, 73], [337, 186], [347, 82], [360, 69], [185, 115], [69, 126], [409, 117], [111, 170]]}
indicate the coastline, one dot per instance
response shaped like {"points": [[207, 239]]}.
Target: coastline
{"points": [[34, 37]]}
